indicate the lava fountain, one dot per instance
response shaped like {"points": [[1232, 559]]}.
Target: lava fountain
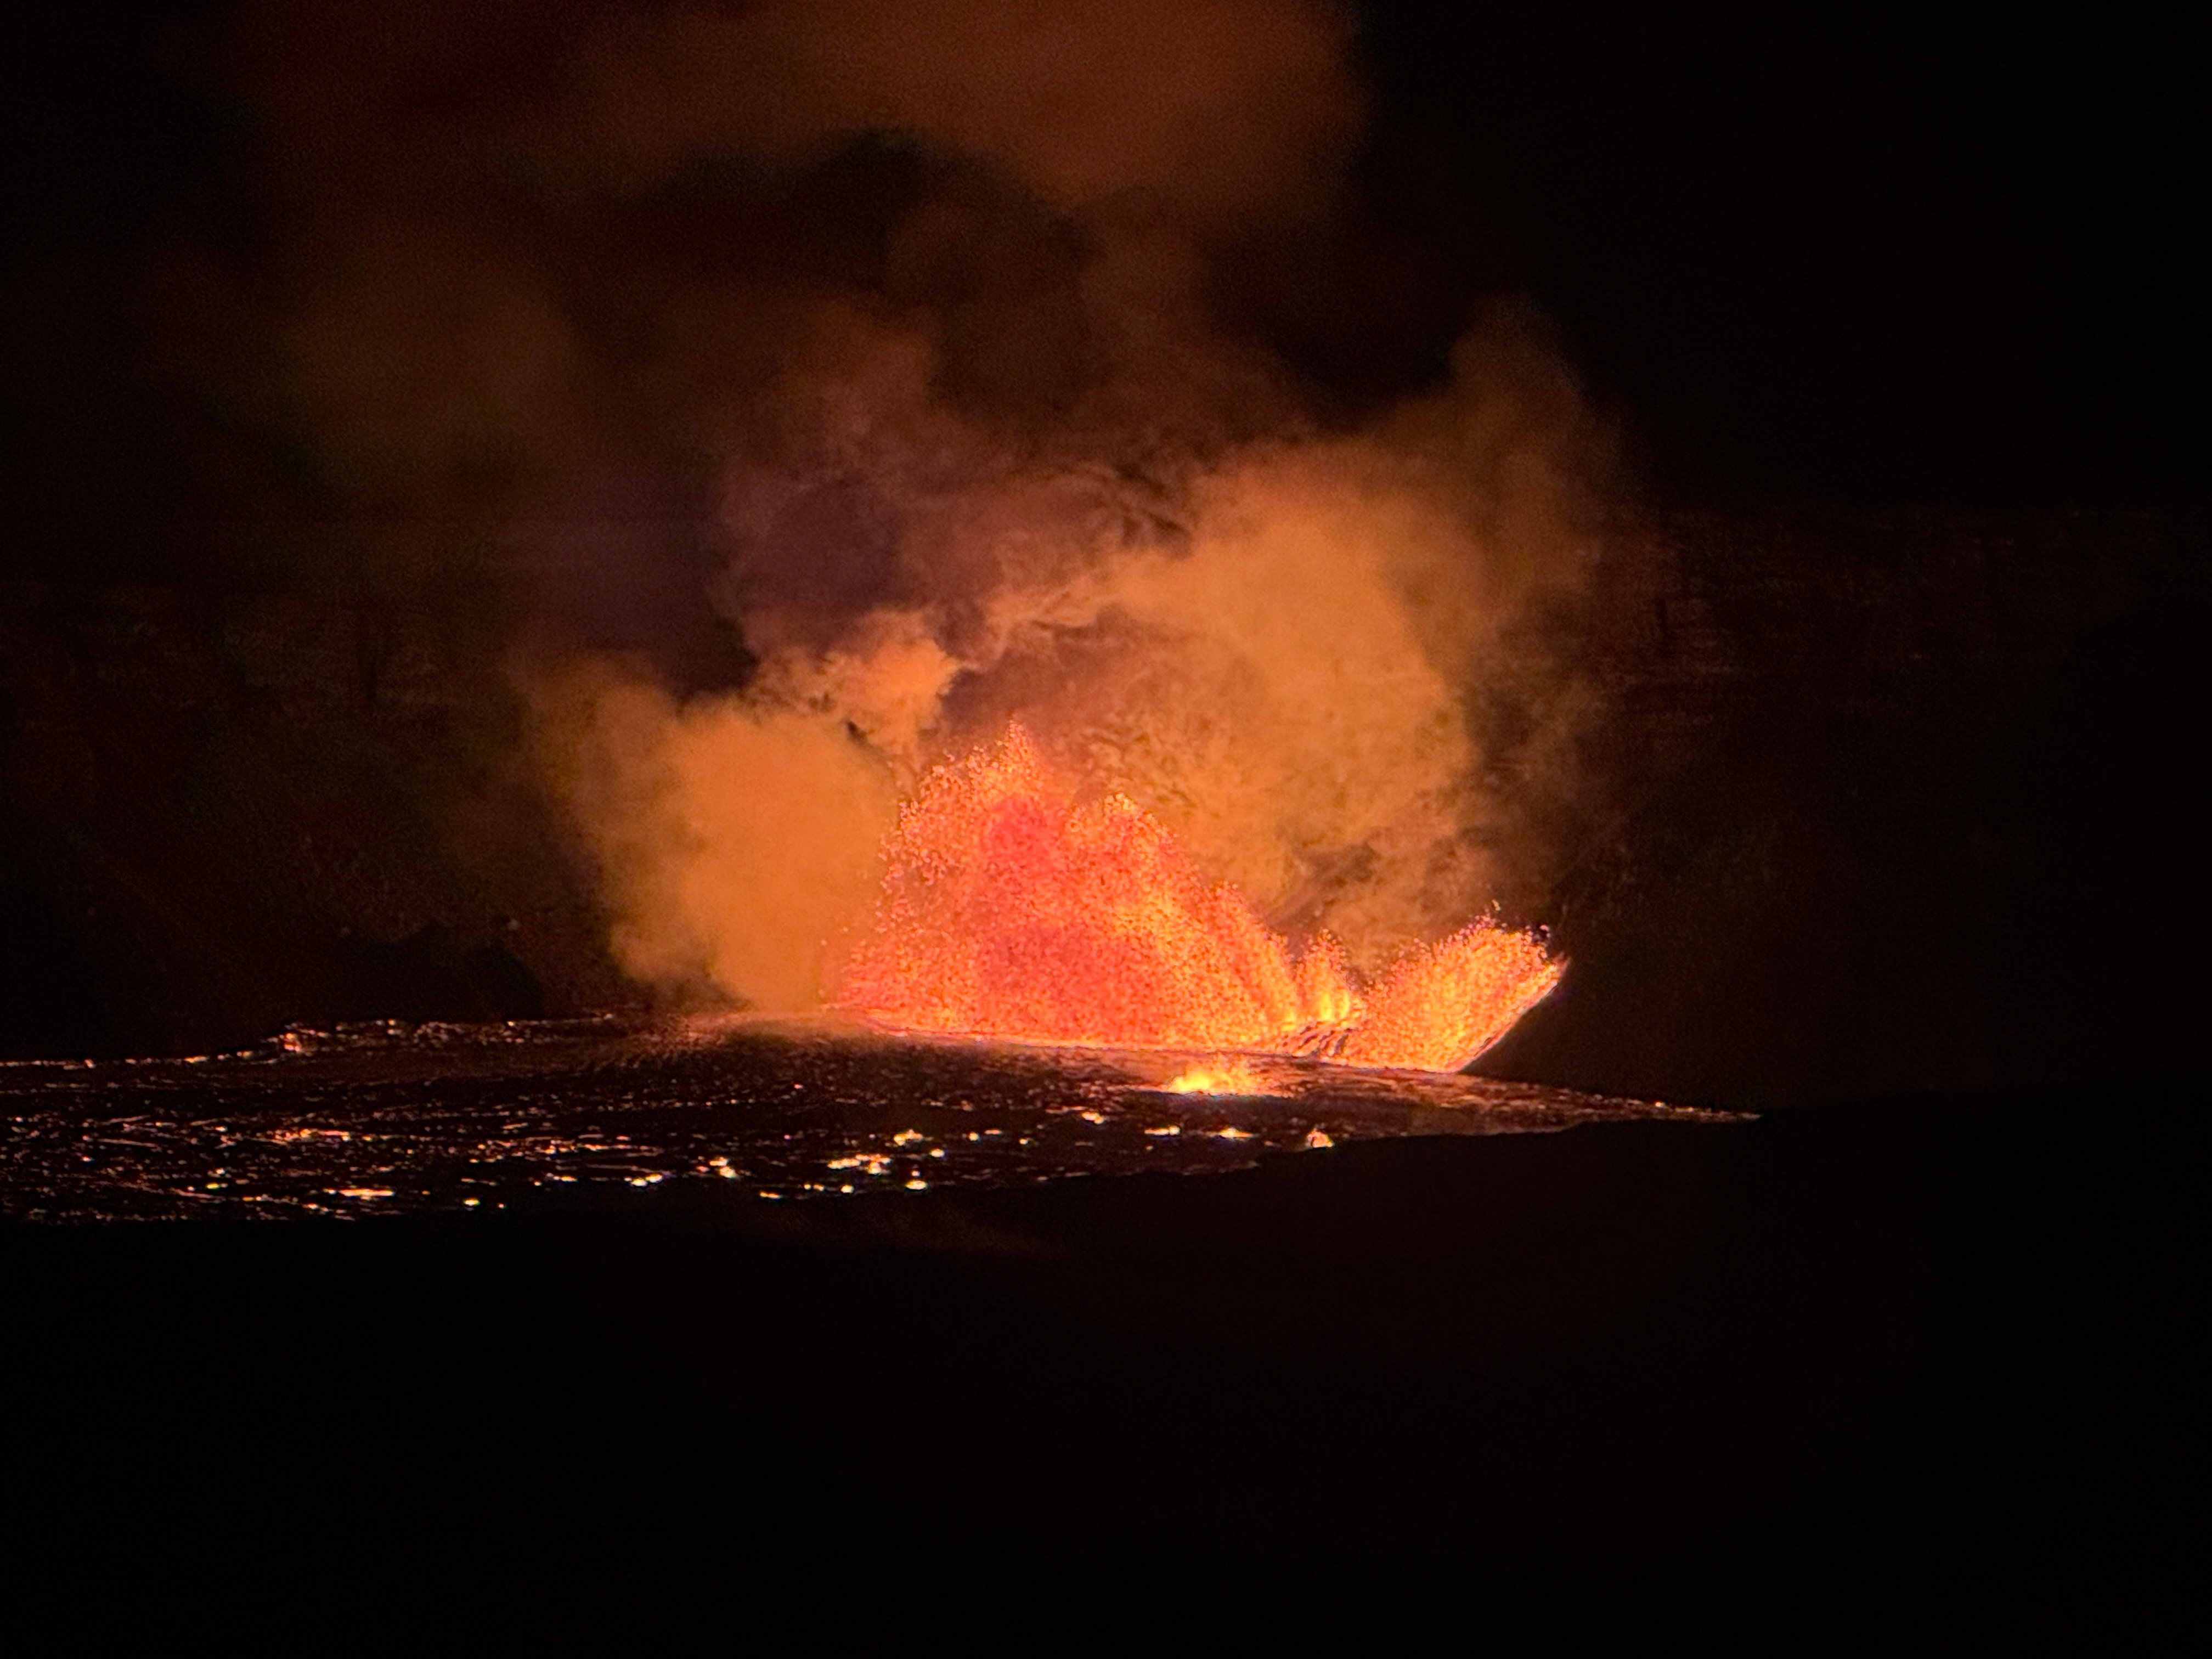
{"points": [[1010, 910]]}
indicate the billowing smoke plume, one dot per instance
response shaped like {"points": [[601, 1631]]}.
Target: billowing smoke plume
{"points": [[1266, 647], [844, 380]]}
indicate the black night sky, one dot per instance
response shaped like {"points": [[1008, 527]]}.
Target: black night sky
{"points": [[1864, 255]]}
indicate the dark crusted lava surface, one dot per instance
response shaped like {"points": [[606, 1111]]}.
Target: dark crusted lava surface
{"points": [[392, 1117]]}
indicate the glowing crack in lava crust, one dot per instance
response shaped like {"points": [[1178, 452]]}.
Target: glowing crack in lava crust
{"points": [[1009, 910]]}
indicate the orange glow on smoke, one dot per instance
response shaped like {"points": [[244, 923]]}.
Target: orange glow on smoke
{"points": [[1010, 910]]}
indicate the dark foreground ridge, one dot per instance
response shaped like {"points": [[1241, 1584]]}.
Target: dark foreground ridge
{"points": [[1929, 1346]]}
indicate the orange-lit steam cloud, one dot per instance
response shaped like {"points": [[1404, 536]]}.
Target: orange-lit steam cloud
{"points": [[899, 319], [1268, 651], [737, 847]]}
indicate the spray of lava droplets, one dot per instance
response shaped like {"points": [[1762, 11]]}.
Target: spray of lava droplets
{"points": [[1011, 910]]}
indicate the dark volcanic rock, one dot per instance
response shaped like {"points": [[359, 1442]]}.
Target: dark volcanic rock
{"points": [[1907, 1356]]}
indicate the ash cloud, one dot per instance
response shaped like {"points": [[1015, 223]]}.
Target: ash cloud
{"points": [[838, 382]]}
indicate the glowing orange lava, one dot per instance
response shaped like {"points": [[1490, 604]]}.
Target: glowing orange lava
{"points": [[1010, 910], [1225, 1074]]}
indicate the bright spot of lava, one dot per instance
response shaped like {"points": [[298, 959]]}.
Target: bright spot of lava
{"points": [[1226, 1075], [1008, 909]]}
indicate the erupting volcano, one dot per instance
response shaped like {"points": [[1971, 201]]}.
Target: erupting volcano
{"points": [[1011, 909]]}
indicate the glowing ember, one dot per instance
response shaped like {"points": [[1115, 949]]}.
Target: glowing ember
{"points": [[1224, 1075], [1010, 910]]}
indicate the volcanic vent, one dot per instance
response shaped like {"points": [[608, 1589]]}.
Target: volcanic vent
{"points": [[1011, 909], [1066, 663]]}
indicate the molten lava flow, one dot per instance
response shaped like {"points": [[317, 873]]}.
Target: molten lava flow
{"points": [[1010, 910], [1443, 1004]]}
